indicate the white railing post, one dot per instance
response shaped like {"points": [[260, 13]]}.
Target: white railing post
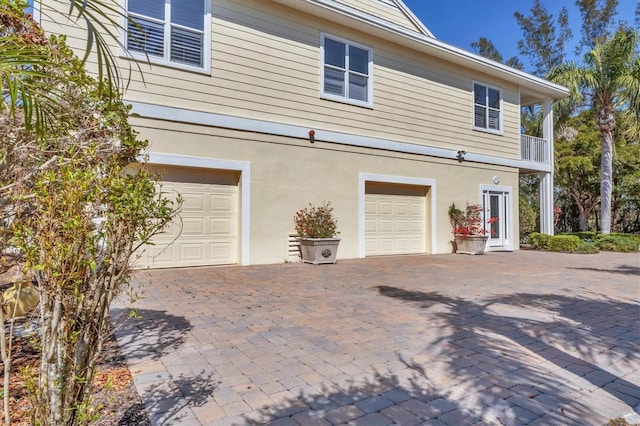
{"points": [[534, 149]]}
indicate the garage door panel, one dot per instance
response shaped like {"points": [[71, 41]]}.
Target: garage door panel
{"points": [[385, 226], [223, 203], [193, 202], [221, 251], [385, 208], [193, 226], [402, 209], [395, 222], [222, 227], [191, 252]]}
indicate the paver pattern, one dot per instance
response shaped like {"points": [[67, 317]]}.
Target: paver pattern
{"points": [[503, 339]]}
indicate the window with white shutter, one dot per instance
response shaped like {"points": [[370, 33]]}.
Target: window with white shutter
{"points": [[175, 32], [487, 108], [346, 71]]}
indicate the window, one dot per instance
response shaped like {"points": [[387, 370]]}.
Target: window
{"points": [[170, 31], [346, 71], [487, 108]]}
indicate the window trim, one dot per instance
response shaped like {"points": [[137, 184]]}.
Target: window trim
{"points": [[35, 7], [344, 99], [164, 61], [500, 131]]}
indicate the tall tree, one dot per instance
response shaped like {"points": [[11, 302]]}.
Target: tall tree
{"points": [[544, 47], [576, 168], [597, 21], [485, 48], [609, 79]]}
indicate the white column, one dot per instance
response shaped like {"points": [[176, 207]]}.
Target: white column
{"points": [[546, 179]]}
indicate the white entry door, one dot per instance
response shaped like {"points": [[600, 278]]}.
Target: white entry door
{"points": [[497, 206]]}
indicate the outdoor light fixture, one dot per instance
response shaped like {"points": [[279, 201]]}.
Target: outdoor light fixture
{"points": [[461, 155], [312, 136], [496, 180]]}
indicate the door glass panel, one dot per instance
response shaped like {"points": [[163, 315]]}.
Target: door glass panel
{"points": [[494, 212]]}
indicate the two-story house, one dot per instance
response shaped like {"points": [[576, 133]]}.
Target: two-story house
{"points": [[254, 108]]}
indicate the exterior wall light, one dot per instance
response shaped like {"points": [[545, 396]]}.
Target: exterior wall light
{"points": [[460, 155], [312, 136]]}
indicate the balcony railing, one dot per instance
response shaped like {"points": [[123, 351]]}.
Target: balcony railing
{"points": [[534, 149]]}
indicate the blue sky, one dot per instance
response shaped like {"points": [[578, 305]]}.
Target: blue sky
{"points": [[460, 22]]}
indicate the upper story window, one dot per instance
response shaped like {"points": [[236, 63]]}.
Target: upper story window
{"points": [[487, 108], [346, 71], [170, 31]]}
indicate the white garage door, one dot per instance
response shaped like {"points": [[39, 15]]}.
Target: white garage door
{"points": [[395, 219], [206, 231]]}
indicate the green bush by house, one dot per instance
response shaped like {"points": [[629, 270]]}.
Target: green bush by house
{"points": [[617, 243], [565, 243], [539, 241], [585, 242], [587, 248]]}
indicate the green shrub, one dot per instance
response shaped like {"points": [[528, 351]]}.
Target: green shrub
{"points": [[617, 243], [539, 241], [527, 215], [587, 248], [634, 237], [566, 243], [585, 235]]}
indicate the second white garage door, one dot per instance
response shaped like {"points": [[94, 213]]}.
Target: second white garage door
{"points": [[206, 232], [395, 219]]}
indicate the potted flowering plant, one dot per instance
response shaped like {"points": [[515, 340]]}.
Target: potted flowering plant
{"points": [[470, 234], [317, 229]]}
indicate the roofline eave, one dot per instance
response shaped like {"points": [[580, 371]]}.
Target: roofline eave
{"points": [[340, 13]]}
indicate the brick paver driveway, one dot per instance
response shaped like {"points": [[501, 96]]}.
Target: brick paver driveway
{"points": [[507, 338]]}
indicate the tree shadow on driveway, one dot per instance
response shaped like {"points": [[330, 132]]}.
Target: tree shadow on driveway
{"points": [[156, 338], [563, 355]]}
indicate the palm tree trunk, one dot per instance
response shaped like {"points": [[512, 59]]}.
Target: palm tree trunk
{"points": [[606, 123]]}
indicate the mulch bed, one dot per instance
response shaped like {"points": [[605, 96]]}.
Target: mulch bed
{"points": [[116, 401]]}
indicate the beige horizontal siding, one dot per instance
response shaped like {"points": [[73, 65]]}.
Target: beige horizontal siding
{"points": [[388, 13], [266, 65]]}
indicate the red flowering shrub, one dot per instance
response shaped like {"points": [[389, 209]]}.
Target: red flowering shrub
{"points": [[469, 221], [316, 222]]}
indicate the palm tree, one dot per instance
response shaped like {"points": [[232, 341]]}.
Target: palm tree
{"points": [[23, 63], [609, 79]]}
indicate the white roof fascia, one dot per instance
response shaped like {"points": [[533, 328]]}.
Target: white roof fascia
{"points": [[413, 18], [431, 46]]}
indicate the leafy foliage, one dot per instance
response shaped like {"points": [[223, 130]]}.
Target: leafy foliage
{"points": [[617, 243], [76, 208], [541, 44], [577, 154], [597, 20], [316, 222], [526, 215], [485, 48], [610, 80], [468, 221], [563, 243]]}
